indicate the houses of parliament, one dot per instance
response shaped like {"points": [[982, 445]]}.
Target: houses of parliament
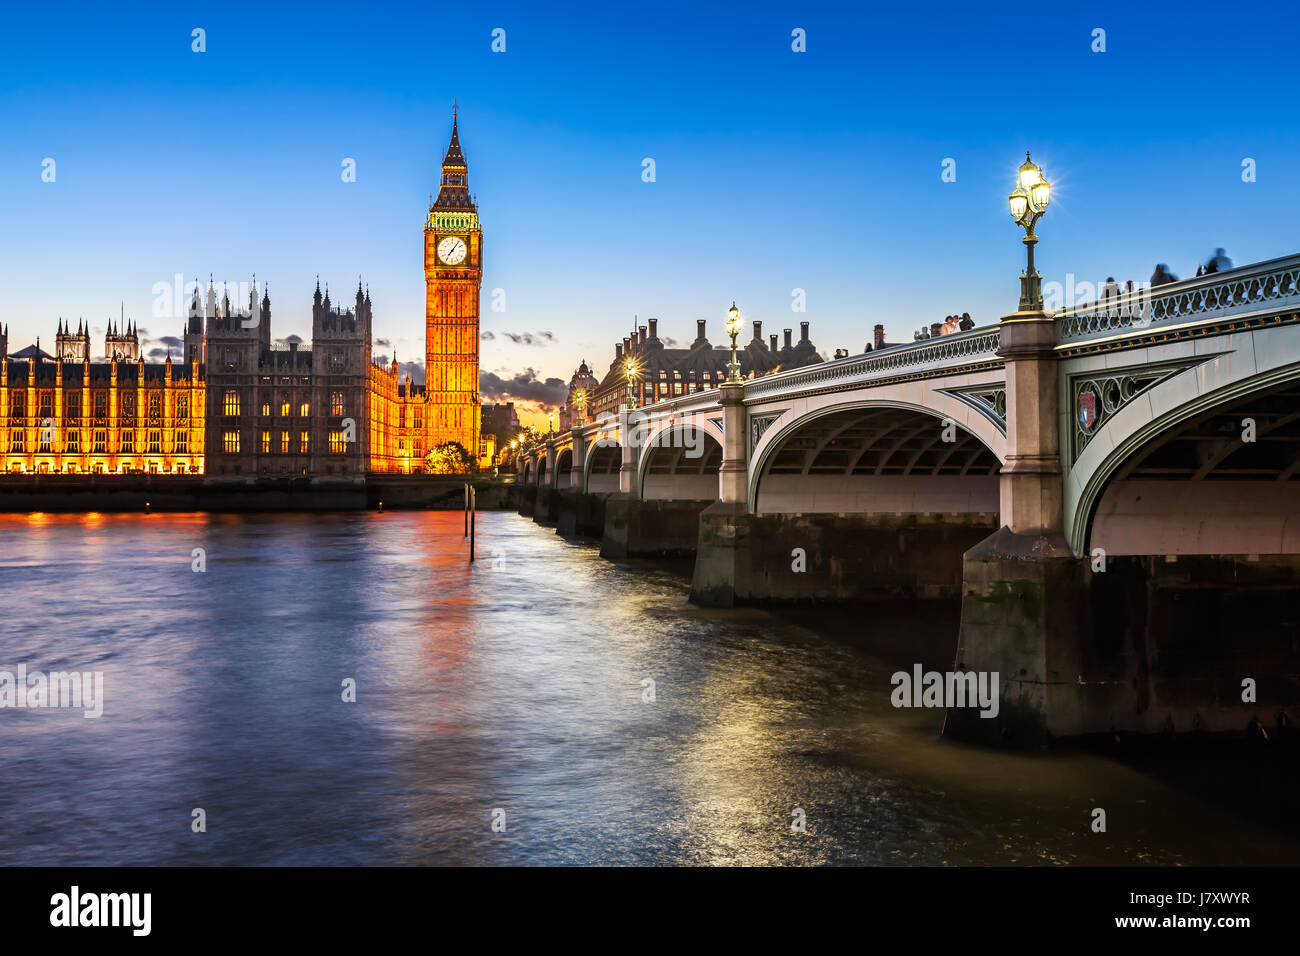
{"points": [[233, 407]]}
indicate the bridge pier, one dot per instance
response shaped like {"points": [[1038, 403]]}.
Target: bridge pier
{"points": [[547, 506], [580, 515], [657, 528], [1140, 644], [527, 494], [831, 558]]}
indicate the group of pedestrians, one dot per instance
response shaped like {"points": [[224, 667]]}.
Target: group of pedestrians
{"points": [[950, 324], [1219, 262]]}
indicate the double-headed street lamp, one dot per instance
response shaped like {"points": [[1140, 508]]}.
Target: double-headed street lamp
{"points": [[1028, 203], [733, 329]]}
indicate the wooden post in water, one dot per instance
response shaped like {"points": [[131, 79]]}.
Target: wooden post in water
{"points": [[467, 509], [472, 514]]}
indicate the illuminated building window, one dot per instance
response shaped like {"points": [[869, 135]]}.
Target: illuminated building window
{"points": [[46, 402], [336, 403], [302, 443], [71, 407], [284, 443], [266, 406], [74, 442], [126, 403], [155, 405], [230, 443], [128, 442], [183, 407], [231, 404], [17, 441], [304, 409], [183, 443], [17, 406], [266, 443], [100, 442], [284, 405], [155, 441], [44, 444], [336, 443]]}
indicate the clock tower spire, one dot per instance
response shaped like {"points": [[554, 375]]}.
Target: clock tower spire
{"points": [[453, 276]]}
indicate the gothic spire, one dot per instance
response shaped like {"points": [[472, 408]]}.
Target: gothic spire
{"points": [[453, 192]]}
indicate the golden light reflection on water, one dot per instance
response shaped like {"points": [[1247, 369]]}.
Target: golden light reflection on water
{"points": [[515, 683]]}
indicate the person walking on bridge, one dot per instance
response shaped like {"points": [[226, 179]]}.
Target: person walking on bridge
{"points": [[1162, 275]]}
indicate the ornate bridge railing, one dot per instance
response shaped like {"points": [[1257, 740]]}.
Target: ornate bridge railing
{"points": [[1263, 287], [929, 354]]}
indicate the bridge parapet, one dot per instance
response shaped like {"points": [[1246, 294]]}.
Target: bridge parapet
{"points": [[1255, 290], [930, 356]]}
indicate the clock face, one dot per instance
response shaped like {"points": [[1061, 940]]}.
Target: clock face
{"points": [[452, 250]]}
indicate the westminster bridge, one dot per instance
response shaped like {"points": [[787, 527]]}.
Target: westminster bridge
{"points": [[1111, 490]]}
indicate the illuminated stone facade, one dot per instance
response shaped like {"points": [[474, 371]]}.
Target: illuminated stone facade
{"points": [[398, 440], [453, 272], [65, 414], [235, 407]]}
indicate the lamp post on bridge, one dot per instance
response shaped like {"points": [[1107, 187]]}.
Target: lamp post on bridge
{"points": [[1028, 203], [733, 329], [1030, 478], [633, 372]]}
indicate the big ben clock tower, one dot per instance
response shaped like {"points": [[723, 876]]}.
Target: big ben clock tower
{"points": [[453, 274]]}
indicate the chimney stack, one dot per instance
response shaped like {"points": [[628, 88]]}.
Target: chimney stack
{"points": [[758, 331], [618, 351], [642, 339], [788, 333], [772, 339], [654, 328], [699, 330], [879, 337], [627, 345], [803, 332]]}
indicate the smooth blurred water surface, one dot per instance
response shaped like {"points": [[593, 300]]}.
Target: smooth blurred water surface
{"points": [[512, 683]]}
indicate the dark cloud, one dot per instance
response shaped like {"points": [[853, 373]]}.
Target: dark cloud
{"points": [[530, 338], [172, 341], [669, 343], [413, 369], [157, 355], [289, 340], [523, 386], [486, 336], [383, 343]]}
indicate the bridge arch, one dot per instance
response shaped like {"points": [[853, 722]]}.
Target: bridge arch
{"points": [[1186, 481], [679, 461], [877, 456], [604, 459], [563, 469], [541, 470]]}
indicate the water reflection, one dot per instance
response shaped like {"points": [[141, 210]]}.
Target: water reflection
{"points": [[515, 684]]}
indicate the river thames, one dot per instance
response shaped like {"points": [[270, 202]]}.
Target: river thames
{"points": [[515, 689]]}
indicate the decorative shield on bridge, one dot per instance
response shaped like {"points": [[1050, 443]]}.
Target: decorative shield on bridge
{"points": [[1087, 409]]}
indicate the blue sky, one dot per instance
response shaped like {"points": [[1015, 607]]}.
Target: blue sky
{"points": [[775, 170]]}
